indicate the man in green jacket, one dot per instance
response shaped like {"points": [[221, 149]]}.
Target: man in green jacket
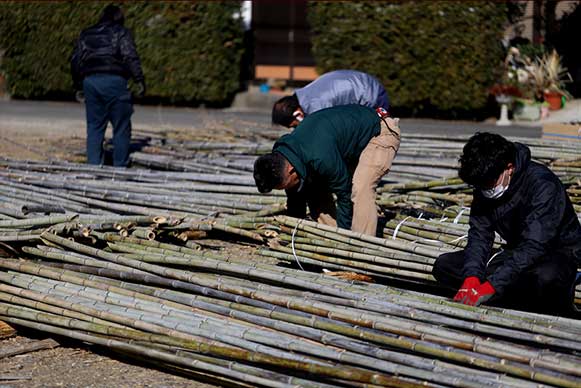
{"points": [[343, 150]]}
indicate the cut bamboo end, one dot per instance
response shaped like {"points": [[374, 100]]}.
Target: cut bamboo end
{"points": [[270, 234], [86, 231], [193, 234], [6, 331], [159, 219]]}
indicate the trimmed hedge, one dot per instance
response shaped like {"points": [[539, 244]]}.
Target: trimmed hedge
{"points": [[431, 56], [190, 52]]}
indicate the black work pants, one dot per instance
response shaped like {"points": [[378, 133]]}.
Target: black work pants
{"points": [[546, 287]]}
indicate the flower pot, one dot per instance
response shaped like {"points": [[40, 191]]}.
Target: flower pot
{"points": [[503, 99], [554, 100]]}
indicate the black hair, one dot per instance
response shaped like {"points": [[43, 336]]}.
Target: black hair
{"points": [[269, 171], [112, 14], [484, 157], [283, 109]]}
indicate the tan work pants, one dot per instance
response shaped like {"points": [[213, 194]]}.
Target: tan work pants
{"points": [[374, 163]]}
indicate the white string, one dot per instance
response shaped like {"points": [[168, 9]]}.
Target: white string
{"points": [[460, 214], [428, 240], [444, 218], [493, 256], [458, 239], [420, 216], [293, 244], [393, 237]]}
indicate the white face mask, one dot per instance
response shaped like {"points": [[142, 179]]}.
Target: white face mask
{"points": [[497, 191]]}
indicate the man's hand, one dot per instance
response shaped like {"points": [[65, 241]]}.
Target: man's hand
{"points": [[480, 294], [140, 90], [472, 293], [80, 96], [469, 285]]}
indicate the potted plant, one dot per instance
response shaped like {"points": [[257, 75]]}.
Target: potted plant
{"points": [[548, 78]]}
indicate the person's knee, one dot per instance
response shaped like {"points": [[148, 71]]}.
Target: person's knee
{"points": [[438, 267], [545, 278], [448, 267], [362, 192], [553, 280]]}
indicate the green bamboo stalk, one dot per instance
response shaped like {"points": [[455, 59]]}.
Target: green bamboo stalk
{"points": [[373, 258], [143, 233], [354, 264], [29, 222], [350, 237], [237, 231]]}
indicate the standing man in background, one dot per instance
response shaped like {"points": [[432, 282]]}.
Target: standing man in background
{"points": [[103, 60], [340, 87]]}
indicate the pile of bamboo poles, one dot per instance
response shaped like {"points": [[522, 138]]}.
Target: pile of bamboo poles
{"points": [[420, 157], [421, 160], [101, 190], [121, 258], [265, 325]]}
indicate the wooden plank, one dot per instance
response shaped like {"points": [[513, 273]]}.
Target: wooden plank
{"points": [[14, 377], [32, 346], [300, 73]]}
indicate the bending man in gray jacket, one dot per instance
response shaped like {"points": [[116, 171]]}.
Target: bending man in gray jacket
{"points": [[340, 87]]}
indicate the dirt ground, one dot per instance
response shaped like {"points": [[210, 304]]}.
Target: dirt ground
{"points": [[73, 364]]}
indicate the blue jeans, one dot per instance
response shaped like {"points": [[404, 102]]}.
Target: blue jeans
{"points": [[107, 98]]}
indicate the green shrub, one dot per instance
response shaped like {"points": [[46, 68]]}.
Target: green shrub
{"points": [[190, 52], [429, 55]]}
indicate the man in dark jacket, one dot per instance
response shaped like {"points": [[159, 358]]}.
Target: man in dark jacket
{"points": [[343, 150], [103, 59], [526, 204], [339, 87]]}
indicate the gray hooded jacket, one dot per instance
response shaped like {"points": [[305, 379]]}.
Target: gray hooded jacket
{"points": [[342, 87]]}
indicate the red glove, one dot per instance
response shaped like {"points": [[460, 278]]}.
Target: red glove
{"points": [[470, 283], [480, 294]]}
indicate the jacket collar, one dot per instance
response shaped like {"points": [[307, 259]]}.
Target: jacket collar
{"points": [[291, 155], [522, 161]]}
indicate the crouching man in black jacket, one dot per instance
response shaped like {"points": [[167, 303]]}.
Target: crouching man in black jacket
{"points": [[529, 208]]}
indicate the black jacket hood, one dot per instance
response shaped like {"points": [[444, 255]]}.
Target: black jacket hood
{"points": [[521, 164]]}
